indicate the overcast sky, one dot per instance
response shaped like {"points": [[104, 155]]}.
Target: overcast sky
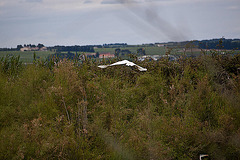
{"points": [[83, 22]]}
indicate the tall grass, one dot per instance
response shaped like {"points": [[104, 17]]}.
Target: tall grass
{"points": [[175, 110], [27, 56]]}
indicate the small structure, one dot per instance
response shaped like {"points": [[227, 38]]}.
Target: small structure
{"points": [[43, 49], [25, 49], [157, 57], [106, 55], [33, 49]]}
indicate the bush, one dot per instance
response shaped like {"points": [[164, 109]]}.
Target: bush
{"points": [[175, 110]]}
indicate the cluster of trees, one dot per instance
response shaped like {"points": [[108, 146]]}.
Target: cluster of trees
{"points": [[220, 43], [76, 48], [123, 52], [29, 45], [115, 45], [141, 51], [21, 46], [8, 49], [71, 56]]}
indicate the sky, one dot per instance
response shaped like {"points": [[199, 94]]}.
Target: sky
{"points": [[88, 22]]}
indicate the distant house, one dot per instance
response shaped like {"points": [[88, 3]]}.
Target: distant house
{"points": [[25, 49], [43, 49], [160, 45], [33, 49], [106, 55]]}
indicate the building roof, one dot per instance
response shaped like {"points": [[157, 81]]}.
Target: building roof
{"points": [[106, 55]]}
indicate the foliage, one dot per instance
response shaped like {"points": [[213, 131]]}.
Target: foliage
{"points": [[175, 110], [88, 48], [10, 65], [26, 56]]}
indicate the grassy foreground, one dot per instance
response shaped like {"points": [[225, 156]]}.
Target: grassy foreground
{"points": [[27, 56], [175, 110]]}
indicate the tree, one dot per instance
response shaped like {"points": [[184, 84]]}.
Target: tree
{"points": [[19, 47], [117, 52], [141, 51], [97, 55], [125, 52], [40, 45]]}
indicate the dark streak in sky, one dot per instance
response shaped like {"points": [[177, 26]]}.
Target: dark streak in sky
{"points": [[157, 26]]}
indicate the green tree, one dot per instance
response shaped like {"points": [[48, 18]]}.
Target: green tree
{"points": [[19, 47]]}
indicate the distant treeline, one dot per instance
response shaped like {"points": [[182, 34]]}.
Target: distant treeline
{"points": [[22, 46], [220, 43], [122, 52], [87, 48], [115, 45], [8, 49], [76, 48]]}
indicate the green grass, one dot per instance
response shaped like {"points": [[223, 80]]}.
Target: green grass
{"points": [[155, 50], [149, 50], [27, 56], [105, 50]]}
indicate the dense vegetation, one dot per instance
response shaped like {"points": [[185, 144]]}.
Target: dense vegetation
{"points": [[27, 56], [175, 110], [76, 48], [214, 44], [207, 44]]}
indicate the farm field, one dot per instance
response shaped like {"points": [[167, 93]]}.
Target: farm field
{"points": [[153, 50], [27, 56], [149, 50]]}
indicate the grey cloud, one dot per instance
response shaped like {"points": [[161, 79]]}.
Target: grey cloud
{"points": [[130, 1], [233, 7], [157, 0], [34, 1], [87, 2], [113, 1]]}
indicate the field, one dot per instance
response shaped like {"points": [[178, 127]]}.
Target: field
{"points": [[150, 50], [75, 110], [154, 50], [27, 56]]}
